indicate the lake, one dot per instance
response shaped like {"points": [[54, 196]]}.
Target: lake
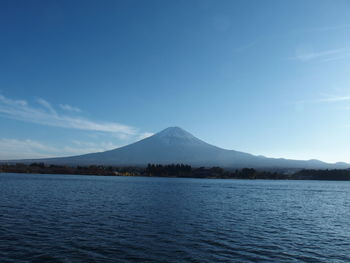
{"points": [[71, 218]]}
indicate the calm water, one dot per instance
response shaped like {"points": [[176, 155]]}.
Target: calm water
{"points": [[68, 218]]}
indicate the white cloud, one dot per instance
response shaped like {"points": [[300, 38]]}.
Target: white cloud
{"points": [[21, 110], [45, 114], [69, 108]]}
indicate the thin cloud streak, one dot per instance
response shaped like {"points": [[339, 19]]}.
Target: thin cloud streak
{"points": [[326, 28], [145, 135], [245, 47], [12, 149], [327, 98], [345, 108], [69, 108], [21, 149], [335, 99], [327, 55], [339, 57], [46, 105], [21, 110]]}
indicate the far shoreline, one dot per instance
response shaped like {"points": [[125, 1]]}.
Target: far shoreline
{"points": [[179, 171], [173, 177]]}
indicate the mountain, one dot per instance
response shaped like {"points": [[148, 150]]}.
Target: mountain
{"points": [[175, 145]]}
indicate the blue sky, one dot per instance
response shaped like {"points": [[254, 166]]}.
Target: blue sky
{"points": [[265, 77]]}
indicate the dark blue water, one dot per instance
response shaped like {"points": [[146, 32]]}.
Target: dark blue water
{"points": [[68, 218]]}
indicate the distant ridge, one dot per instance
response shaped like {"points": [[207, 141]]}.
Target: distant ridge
{"points": [[175, 145]]}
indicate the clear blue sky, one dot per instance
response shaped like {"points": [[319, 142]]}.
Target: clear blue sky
{"points": [[265, 77]]}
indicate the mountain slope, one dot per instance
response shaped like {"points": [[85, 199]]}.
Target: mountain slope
{"points": [[174, 145]]}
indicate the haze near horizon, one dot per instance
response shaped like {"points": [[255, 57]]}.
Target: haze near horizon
{"points": [[263, 77]]}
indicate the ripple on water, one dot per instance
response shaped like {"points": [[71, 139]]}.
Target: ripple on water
{"points": [[60, 218]]}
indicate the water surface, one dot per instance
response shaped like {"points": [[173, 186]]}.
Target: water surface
{"points": [[70, 218]]}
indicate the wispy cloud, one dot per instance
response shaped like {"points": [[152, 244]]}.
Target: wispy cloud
{"points": [[246, 46], [21, 149], [307, 55], [343, 55], [69, 108], [326, 28], [47, 115], [326, 99], [46, 105], [332, 98], [31, 149], [81, 147], [145, 135]]}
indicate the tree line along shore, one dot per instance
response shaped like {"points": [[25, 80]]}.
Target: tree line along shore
{"points": [[179, 170]]}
